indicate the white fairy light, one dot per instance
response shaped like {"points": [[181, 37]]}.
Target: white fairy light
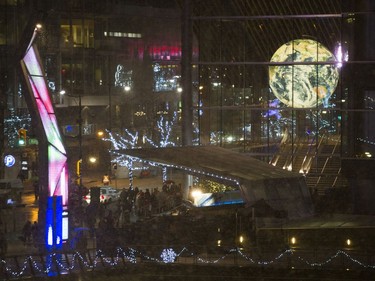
{"points": [[168, 255]]}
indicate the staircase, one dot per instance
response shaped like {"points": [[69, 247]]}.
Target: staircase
{"points": [[319, 160]]}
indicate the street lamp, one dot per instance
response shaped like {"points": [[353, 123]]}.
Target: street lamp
{"points": [[92, 159]]}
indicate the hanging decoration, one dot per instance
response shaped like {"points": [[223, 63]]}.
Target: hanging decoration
{"points": [[34, 265]]}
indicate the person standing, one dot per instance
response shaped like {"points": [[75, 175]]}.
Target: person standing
{"points": [[36, 190], [35, 233], [26, 232]]}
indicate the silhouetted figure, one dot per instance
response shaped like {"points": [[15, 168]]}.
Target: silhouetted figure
{"points": [[3, 244], [35, 233], [26, 232], [36, 190]]}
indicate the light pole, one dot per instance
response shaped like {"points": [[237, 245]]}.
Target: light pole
{"points": [[79, 161], [80, 143]]}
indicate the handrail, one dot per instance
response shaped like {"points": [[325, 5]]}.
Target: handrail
{"points": [[327, 160]]}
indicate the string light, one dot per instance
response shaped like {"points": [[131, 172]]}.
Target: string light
{"points": [[366, 141], [130, 141], [13, 123], [121, 256], [190, 170], [168, 256], [164, 128]]}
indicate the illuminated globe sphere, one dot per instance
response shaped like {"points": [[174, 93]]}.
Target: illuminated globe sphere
{"points": [[303, 85]]}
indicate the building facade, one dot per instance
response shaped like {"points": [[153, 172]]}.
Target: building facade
{"points": [[287, 82], [109, 67]]}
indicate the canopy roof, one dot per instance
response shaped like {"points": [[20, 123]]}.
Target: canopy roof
{"points": [[212, 161], [285, 192]]}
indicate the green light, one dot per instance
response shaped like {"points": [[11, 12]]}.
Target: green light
{"points": [[21, 142]]}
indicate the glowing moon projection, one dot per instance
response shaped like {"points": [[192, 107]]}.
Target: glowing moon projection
{"points": [[303, 85]]}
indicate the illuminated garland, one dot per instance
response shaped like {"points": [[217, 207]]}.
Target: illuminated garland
{"points": [[167, 255], [366, 141], [190, 170]]}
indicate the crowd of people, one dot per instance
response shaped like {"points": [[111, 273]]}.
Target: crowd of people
{"points": [[104, 219], [133, 204], [31, 234], [151, 202]]}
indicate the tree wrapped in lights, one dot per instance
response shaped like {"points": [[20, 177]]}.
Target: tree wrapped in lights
{"points": [[13, 123], [127, 141], [165, 129]]}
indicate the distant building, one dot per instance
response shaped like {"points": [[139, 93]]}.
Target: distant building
{"points": [[290, 84]]}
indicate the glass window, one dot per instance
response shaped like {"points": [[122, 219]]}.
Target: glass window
{"points": [[80, 33]]}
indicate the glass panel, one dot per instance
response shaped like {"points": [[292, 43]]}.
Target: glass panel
{"points": [[80, 33]]}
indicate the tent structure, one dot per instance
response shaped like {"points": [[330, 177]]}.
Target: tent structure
{"points": [[284, 191]]}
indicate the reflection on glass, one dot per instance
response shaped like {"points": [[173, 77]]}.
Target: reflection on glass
{"points": [[303, 85]]}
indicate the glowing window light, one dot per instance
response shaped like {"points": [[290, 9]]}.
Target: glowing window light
{"points": [[122, 34]]}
